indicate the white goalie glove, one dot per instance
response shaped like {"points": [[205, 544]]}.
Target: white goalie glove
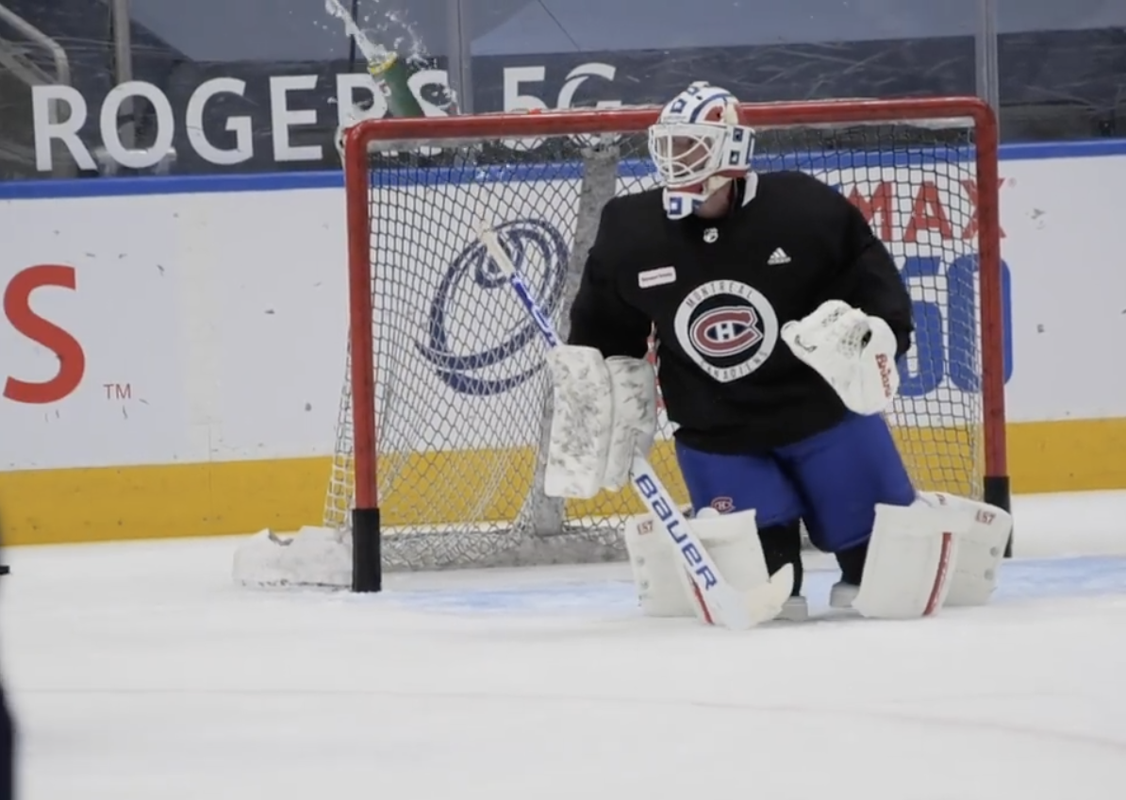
{"points": [[604, 410], [852, 351]]}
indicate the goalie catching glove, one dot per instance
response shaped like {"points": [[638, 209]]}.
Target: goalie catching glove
{"points": [[604, 409], [852, 351]]}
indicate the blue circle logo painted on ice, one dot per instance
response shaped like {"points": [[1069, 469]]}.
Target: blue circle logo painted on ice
{"points": [[728, 328], [471, 343]]}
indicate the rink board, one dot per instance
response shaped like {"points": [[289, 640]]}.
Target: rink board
{"points": [[230, 497], [210, 376]]}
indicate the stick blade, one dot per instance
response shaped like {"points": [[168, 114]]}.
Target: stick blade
{"points": [[740, 611], [766, 601]]}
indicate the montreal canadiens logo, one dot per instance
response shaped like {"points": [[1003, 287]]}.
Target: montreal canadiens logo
{"points": [[726, 330], [729, 329]]}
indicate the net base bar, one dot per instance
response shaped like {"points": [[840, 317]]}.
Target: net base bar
{"points": [[367, 550]]}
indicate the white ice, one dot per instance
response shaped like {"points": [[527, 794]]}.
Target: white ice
{"points": [[139, 672]]}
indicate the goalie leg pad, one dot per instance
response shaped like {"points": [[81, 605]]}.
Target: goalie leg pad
{"points": [[981, 549], [943, 550], [664, 588], [911, 556]]}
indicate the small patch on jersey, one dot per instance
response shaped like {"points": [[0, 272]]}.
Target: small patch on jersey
{"points": [[711, 234], [656, 277], [729, 329], [779, 256], [724, 505]]}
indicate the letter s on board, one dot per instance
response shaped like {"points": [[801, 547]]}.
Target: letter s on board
{"points": [[17, 308]]}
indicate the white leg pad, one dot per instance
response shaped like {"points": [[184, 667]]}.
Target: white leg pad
{"points": [[980, 551], [664, 588], [911, 555]]}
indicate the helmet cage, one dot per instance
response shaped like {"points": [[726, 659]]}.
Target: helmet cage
{"points": [[688, 153], [696, 159]]}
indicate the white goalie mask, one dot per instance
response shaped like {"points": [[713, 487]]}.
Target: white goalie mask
{"points": [[699, 146]]}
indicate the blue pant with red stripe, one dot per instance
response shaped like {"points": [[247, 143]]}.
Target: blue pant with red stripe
{"points": [[832, 480]]}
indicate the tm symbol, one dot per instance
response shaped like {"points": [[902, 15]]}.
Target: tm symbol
{"points": [[118, 391]]}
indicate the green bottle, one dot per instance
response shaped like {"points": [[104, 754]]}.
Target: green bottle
{"points": [[389, 70], [392, 76]]}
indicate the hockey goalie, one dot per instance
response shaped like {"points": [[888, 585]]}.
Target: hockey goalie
{"points": [[780, 318]]}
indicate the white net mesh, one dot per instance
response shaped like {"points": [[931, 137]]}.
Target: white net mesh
{"points": [[461, 393]]}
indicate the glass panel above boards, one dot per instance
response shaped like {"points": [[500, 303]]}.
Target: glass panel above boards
{"points": [[229, 86]]}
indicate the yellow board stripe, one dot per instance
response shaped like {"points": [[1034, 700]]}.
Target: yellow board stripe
{"points": [[161, 501], [141, 502]]}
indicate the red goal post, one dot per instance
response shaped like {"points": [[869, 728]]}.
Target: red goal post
{"points": [[427, 450]]}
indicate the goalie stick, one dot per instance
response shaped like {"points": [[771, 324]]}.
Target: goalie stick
{"points": [[722, 602]]}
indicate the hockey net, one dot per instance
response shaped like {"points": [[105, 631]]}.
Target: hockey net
{"points": [[450, 370]]}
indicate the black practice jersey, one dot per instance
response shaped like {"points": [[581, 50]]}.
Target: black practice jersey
{"points": [[716, 292]]}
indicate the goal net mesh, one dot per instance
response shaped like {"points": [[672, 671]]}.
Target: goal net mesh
{"points": [[462, 394]]}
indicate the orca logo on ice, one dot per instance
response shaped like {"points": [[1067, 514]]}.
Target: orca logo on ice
{"points": [[477, 332], [728, 328]]}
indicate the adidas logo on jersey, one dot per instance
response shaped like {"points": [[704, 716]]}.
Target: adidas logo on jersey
{"points": [[778, 257]]}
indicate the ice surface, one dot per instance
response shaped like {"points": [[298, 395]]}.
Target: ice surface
{"points": [[138, 671]]}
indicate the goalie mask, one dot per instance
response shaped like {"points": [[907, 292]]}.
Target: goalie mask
{"points": [[699, 146]]}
